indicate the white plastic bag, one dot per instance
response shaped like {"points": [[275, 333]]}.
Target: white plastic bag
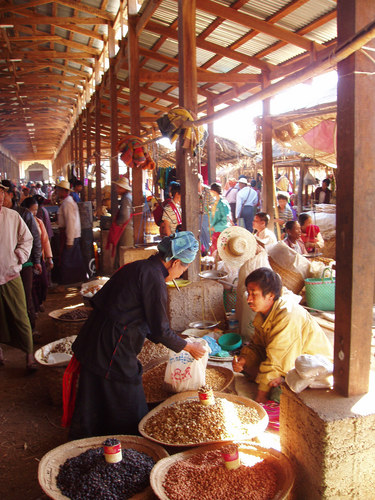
{"points": [[312, 371], [295, 382], [183, 372], [310, 366]]}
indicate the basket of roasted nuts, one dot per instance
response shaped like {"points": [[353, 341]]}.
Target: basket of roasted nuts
{"points": [[261, 474], [82, 468], [182, 420]]}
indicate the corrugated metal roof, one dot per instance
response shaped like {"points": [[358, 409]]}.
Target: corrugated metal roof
{"points": [[226, 34], [307, 13], [284, 54], [325, 33], [262, 9]]}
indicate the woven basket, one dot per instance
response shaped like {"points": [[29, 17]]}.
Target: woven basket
{"points": [[66, 327], [50, 464], [228, 374], [253, 431], [284, 471], [292, 280], [53, 372]]}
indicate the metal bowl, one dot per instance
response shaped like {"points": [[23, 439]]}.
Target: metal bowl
{"points": [[203, 324], [212, 274]]}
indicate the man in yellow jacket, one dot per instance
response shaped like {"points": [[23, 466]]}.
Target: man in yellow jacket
{"points": [[283, 330]]}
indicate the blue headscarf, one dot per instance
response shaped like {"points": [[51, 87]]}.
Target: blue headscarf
{"points": [[182, 246]]}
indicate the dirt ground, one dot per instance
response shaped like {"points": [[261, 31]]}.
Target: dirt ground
{"points": [[29, 422]]}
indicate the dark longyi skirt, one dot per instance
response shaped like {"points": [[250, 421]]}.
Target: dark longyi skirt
{"points": [[106, 407]]}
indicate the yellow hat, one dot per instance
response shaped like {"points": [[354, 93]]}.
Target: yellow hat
{"points": [[124, 183], [64, 185], [236, 245]]}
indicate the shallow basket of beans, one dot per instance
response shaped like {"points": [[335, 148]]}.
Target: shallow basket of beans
{"points": [[260, 474], [183, 421], [78, 469]]}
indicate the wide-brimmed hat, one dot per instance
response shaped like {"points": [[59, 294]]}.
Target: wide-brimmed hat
{"points": [[3, 187], [236, 245], [124, 183], [64, 185], [243, 180]]}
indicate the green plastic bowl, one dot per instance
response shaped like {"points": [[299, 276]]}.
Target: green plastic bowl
{"points": [[230, 341]]}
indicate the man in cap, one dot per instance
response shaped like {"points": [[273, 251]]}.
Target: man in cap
{"points": [[15, 248], [72, 266], [246, 202]]}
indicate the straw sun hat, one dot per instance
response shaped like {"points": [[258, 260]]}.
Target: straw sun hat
{"points": [[64, 185], [236, 245], [124, 183]]}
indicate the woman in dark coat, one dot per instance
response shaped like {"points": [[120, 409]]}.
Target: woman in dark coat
{"points": [[128, 309]]}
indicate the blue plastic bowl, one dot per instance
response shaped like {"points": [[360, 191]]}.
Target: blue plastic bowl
{"points": [[230, 341]]}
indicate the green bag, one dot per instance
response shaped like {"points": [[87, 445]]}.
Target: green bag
{"points": [[320, 292]]}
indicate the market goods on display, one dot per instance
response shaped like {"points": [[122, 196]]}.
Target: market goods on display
{"points": [[151, 351], [75, 314], [205, 476], [153, 382], [62, 347], [191, 422], [89, 477]]}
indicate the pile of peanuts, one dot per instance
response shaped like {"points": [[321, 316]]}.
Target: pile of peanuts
{"points": [[153, 382], [151, 351], [204, 476], [189, 422]]}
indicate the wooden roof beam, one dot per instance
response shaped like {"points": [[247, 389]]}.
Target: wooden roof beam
{"points": [[211, 47], [203, 76], [146, 15], [257, 24], [87, 9], [53, 54], [58, 21]]}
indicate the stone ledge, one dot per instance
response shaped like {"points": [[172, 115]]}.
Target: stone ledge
{"points": [[199, 300], [330, 441]]}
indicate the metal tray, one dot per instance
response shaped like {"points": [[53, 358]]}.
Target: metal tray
{"points": [[204, 324], [212, 274]]}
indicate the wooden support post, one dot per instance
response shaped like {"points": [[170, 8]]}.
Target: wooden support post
{"points": [[114, 135], [355, 197], [76, 146], [72, 145], [135, 124], [302, 171], [211, 146], [80, 155], [98, 174], [186, 162], [88, 151], [268, 174]]}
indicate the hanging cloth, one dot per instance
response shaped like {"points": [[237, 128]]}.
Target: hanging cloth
{"points": [[70, 380], [133, 154], [172, 124], [115, 232]]}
